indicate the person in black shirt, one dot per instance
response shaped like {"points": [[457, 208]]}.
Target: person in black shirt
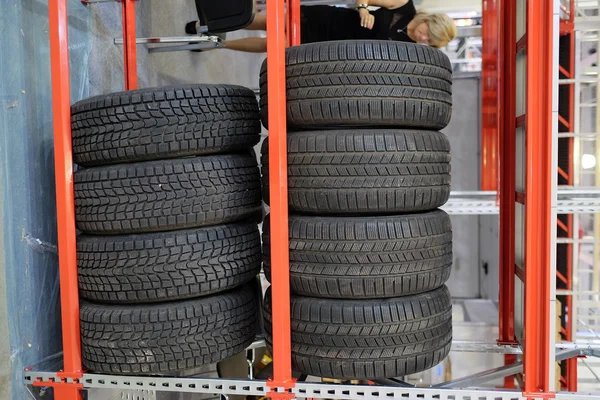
{"points": [[393, 20]]}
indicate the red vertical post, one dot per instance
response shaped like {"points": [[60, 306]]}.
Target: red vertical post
{"points": [[490, 98], [280, 274], [506, 188], [571, 364], [293, 15], [65, 204], [536, 362], [129, 44]]}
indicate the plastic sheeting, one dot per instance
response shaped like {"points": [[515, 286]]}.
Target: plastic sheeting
{"points": [[29, 289]]}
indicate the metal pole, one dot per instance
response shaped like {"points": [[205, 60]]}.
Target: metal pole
{"points": [[490, 100], [506, 189], [500, 372], [280, 277], [572, 260], [596, 230], [294, 22], [129, 39], [538, 189], [65, 204]]}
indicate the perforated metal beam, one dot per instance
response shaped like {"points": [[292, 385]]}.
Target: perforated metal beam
{"points": [[301, 390]]}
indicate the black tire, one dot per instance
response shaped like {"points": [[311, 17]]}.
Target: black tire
{"points": [[365, 83], [366, 257], [159, 123], [167, 195], [365, 171], [168, 337], [368, 339], [154, 267]]}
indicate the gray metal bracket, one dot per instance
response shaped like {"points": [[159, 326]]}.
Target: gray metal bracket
{"points": [[500, 372], [190, 43], [447, 390]]}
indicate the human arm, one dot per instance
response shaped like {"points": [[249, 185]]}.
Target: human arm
{"points": [[367, 20], [389, 4]]}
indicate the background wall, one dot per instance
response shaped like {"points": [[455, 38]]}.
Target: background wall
{"points": [[464, 135], [29, 311]]}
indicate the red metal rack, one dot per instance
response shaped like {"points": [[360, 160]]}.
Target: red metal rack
{"points": [[129, 44], [526, 260], [280, 274], [566, 121], [65, 203], [535, 197], [490, 100]]}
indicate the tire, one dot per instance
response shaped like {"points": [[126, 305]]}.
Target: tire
{"points": [[365, 83], [155, 267], [168, 337], [365, 171], [161, 123], [368, 339], [366, 257], [167, 195]]}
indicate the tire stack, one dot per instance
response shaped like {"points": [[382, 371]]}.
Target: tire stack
{"points": [[367, 170], [169, 252]]}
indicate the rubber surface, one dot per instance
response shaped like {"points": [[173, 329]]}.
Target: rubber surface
{"points": [[167, 194], [365, 171], [153, 267], [166, 122], [368, 339], [366, 257], [365, 83], [168, 337]]}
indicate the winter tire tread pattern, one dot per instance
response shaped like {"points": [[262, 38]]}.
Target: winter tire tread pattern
{"points": [[168, 337], [167, 194], [166, 266], [165, 122]]}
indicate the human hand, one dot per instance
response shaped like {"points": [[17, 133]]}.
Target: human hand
{"points": [[367, 20]]}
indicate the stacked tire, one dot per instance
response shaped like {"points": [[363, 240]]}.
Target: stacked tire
{"points": [[367, 170], [167, 199]]}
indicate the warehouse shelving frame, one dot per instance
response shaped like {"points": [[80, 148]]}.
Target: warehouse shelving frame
{"points": [[537, 273]]}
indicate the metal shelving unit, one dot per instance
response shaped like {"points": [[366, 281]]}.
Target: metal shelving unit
{"points": [[528, 207], [569, 201]]}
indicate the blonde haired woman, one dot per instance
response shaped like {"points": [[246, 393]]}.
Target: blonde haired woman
{"points": [[394, 20]]}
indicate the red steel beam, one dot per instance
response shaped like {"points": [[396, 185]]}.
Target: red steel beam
{"points": [[293, 22], [509, 381], [490, 99], [129, 44], [562, 173], [568, 26], [506, 188], [571, 364], [538, 188], [561, 225], [520, 273], [65, 204], [522, 43], [280, 277]]}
